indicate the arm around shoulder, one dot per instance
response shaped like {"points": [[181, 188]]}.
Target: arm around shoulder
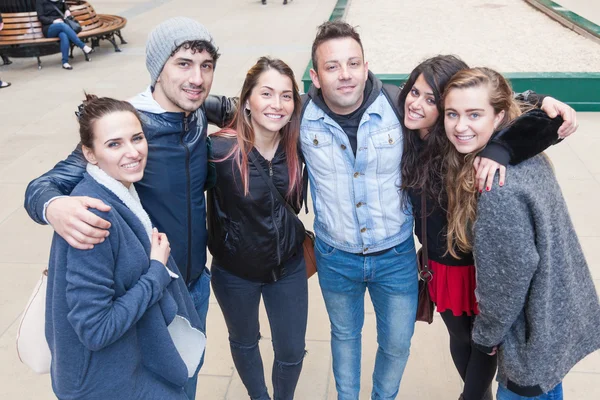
{"points": [[59, 181]]}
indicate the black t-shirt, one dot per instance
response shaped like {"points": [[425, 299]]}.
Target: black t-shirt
{"points": [[349, 123]]}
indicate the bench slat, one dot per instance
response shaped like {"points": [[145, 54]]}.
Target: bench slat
{"points": [[26, 29]]}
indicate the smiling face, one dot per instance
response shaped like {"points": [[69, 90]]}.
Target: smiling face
{"points": [[342, 74], [420, 109], [119, 147], [469, 118], [271, 102], [185, 81]]}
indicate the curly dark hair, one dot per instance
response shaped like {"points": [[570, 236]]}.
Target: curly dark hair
{"points": [[198, 46], [422, 163]]}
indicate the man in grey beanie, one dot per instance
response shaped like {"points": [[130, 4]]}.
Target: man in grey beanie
{"points": [[175, 110]]}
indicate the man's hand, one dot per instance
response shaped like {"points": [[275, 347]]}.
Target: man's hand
{"points": [[485, 169], [553, 108], [70, 218], [494, 351], [57, 21], [1, 25]]}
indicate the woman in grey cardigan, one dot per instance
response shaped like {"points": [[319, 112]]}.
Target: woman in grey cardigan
{"points": [[538, 305]]}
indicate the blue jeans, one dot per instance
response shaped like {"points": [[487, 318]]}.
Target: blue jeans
{"points": [[391, 278], [505, 394], [66, 35], [200, 293], [286, 302]]}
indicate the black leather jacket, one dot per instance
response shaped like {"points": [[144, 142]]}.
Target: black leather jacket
{"points": [[251, 236]]}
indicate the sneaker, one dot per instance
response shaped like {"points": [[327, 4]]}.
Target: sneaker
{"points": [[4, 84], [67, 66]]}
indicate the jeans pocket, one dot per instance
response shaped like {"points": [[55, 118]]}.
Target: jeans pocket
{"points": [[323, 248], [405, 247]]}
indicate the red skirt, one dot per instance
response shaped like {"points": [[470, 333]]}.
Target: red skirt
{"points": [[453, 288]]}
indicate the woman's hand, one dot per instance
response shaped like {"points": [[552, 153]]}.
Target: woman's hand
{"points": [[57, 21], [485, 169], [553, 108], [160, 249], [67, 13]]}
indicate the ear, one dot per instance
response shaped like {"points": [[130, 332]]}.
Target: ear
{"points": [[314, 77], [366, 70], [498, 118], [89, 155], [247, 105]]}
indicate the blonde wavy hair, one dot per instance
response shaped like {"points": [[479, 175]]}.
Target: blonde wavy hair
{"points": [[460, 174]]}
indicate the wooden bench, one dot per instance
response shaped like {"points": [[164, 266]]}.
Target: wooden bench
{"points": [[22, 34]]}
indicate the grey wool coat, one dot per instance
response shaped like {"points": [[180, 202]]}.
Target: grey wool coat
{"points": [[536, 296]]}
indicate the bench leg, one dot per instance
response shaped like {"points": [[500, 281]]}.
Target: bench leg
{"points": [[5, 60], [39, 62], [118, 33], [95, 42], [111, 39], [71, 52]]}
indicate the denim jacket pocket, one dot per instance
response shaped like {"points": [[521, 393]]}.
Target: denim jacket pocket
{"points": [[388, 146], [317, 146]]}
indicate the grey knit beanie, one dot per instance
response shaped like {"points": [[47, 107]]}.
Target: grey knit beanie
{"points": [[166, 37]]}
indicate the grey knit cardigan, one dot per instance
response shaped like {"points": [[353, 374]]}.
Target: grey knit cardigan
{"points": [[536, 296]]}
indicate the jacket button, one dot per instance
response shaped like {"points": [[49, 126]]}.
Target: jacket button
{"points": [[365, 249], [343, 147], [316, 142], [356, 174], [363, 230], [391, 141], [359, 204]]}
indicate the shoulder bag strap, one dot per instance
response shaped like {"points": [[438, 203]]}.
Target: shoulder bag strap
{"points": [[426, 270], [57, 9], [269, 182]]}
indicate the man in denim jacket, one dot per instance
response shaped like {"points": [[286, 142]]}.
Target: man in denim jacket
{"points": [[352, 145]]}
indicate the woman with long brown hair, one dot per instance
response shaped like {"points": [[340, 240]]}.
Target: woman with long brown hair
{"points": [[255, 240], [538, 307]]}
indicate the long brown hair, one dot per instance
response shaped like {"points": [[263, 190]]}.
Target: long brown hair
{"points": [[422, 159], [460, 174], [241, 129]]}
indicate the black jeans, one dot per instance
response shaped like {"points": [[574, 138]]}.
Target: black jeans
{"points": [[476, 369], [286, 302]]}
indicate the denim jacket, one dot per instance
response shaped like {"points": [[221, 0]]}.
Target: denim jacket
{"points": [[357, 200]]}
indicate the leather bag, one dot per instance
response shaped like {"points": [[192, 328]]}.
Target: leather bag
{"points": [[424, 303], [309, 237], [72, 22], [32, 347]]}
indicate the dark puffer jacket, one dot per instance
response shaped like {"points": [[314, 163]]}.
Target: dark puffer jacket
{"points": [[251, 236]]}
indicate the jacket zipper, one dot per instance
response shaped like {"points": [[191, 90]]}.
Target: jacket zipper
{"points": [[273, 216], [189, 199]]}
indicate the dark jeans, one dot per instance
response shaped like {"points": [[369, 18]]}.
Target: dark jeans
{"points": [[66, 35], [476, 368], [200, 293], [286, 302]]}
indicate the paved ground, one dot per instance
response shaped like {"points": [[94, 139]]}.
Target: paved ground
{"points": [[508, 35], [38, 129]]}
